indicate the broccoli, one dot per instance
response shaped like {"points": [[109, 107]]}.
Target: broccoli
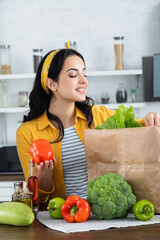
{"points": [[110, 196]]}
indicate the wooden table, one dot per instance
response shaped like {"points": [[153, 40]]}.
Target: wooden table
{"points": [[37, 231]]}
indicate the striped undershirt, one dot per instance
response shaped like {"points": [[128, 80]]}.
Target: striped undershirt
{"points": [[74, 164]]}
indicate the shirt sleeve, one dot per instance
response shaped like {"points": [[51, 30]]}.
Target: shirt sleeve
{"points": [[24, 139]]}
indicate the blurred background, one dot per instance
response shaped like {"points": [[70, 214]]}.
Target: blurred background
{"points": [[48, 24]]}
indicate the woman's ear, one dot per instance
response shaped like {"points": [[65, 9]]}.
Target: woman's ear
{"points": [[51, 84]]}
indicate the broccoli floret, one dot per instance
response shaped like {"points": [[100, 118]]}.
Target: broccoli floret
{"points": [[110, 196]]}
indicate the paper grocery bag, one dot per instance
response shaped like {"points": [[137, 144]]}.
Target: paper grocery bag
{"points": [[132, 152]]}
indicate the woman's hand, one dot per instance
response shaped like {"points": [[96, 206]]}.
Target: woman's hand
{"points": [[46, 164], [45, 174], [152, 119]]}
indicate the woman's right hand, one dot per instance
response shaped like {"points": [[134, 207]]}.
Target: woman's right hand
{"points": [[45, 174]]}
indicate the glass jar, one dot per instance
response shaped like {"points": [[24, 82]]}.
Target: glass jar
{"points": [[104, 97], [37, 57], [23, 99], [3, 94], [118, 48], [27, 197], [5, 61], [18, 189], [121, 94], [133, 92], [72, 45]]}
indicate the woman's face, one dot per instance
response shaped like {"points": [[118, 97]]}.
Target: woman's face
{"points": [[72, 84]]}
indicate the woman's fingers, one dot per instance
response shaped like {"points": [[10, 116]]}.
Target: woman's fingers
{"points": [[47, 164], [157, 119], [40, 166], [152, 119]]}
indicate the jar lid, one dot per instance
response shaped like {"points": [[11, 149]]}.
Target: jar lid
{"points": [[118, 38], [23, 93], [4, 46], [133, 90], [19, 184], [37, 50]]}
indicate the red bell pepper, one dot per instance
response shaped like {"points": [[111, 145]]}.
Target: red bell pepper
{"points": [[75, 209], [41, 151]]}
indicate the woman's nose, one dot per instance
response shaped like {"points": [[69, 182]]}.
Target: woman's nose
{"points": [[83, 79]]}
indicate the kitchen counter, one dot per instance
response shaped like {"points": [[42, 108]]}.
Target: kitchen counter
{"points": [[12, 177], [39, 231]]}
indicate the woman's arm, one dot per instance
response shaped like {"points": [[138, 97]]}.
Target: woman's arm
{"points": [[24, 137]]}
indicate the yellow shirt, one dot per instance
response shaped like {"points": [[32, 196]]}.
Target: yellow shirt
{"points": [[42, 128]]}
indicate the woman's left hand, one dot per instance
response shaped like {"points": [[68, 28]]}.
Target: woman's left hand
{"points": [[152, 119]]}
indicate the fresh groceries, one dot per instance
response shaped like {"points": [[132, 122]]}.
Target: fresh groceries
{"points": [[110, 196], [123, 118], [54, 207], [75, 209], [16, 213], [41, 151], [143, 210]]}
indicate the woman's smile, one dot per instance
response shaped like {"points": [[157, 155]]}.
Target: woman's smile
{"points": [[81, 90]]}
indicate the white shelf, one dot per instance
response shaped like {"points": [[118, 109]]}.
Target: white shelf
{"points": [[14, 110], [89, 73], [7, 145], [127, 105], [115, 72], [17, 76], [110, 106]]}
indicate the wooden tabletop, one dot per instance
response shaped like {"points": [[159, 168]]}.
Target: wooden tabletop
{"points": [[12, 177], [39, 231]]}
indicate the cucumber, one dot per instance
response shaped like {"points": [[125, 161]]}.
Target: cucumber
{"points": [[16, 213]]}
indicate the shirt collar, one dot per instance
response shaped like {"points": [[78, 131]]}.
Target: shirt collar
{"points": [[44, 122], [80, 114]]}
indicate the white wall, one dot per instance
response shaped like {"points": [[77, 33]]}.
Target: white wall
{"points": [[27, 24], [47, 24]]}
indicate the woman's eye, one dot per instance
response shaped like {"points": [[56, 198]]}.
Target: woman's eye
{"points": [[85, 75], [73, 76]]}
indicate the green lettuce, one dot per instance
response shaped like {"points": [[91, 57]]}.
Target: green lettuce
{"points": [[123, 118]]}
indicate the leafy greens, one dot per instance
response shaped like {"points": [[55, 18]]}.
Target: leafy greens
{"points": [[123, 118]]}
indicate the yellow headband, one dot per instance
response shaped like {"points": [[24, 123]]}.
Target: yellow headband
{"points": [[45, 69]]}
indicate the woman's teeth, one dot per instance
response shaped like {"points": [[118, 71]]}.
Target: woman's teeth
{"points": [[80, 89]]}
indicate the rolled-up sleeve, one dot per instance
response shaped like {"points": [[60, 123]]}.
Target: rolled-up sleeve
{"points": [[23, 139]]}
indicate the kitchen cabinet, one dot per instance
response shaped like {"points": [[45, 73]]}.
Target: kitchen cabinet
{"points": [[90, 74]]}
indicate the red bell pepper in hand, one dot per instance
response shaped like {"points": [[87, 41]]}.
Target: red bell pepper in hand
{"points": [[75, 209], [41, 151]]}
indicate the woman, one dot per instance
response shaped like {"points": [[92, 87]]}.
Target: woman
{"points": [[59, 112]]}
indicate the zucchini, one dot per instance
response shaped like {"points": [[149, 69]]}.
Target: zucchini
{"points": [[16, 213]]}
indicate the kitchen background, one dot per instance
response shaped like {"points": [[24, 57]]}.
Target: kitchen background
{"points": [[48, 24]]}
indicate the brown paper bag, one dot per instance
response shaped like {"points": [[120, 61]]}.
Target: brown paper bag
{"points": [[132, 152]]}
